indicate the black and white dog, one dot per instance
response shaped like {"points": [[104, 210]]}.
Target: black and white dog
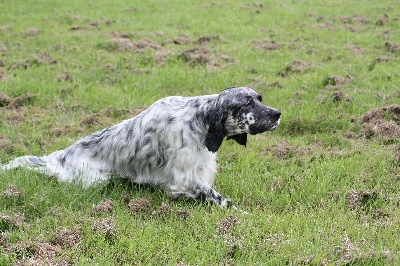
{"points": [[172, 144]]}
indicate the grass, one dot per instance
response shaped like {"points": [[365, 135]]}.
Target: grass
{"points": [[320, 190]]}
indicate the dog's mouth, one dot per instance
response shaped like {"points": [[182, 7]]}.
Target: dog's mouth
{"points": [[261, 128], [275, 125]]}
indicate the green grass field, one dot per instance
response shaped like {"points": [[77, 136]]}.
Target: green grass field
{"points": [[322, 189]]}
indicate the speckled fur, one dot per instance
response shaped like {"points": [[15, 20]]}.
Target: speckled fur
{"points": [[172, 144]]}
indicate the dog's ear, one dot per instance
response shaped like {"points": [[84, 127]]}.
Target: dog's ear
{"points": [[239, 138], [216, 130]]}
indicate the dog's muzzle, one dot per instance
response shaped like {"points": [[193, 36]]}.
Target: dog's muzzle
{"points": [[267, 120]]}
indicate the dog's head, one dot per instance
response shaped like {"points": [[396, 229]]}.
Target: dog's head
{"points": [[238, 112]]}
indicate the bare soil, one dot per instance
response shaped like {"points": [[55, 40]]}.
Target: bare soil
{"points": [[382, 122], [104, 206]]}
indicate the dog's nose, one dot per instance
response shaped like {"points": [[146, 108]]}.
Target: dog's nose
{"points": [[276, 114]]}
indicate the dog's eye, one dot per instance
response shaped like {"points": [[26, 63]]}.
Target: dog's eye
{"points": [[249, 101], [259, 98]]}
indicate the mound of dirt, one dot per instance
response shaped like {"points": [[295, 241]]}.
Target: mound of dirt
{"points": [[4, 100], [3, 48], [382, 122], [181, 39], [140, 205], [183, 214], [38, 253], [3, 75], [296, 66], [64, 77], [196, 55], [67, 237], [355, 198], [105, 226], [162, 211], [392, 47], [43, 59], [22, 100], [208, 38], [14, 221], [31, 32], [337, 80], [225, 226], [340, 96], [265, 45], [104, 206], [125, 44], [11, 191], [284, 150]]}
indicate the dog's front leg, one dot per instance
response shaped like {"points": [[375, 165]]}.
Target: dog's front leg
{"points": [[206, 193]]}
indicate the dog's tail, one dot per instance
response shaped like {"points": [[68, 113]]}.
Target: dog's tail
{"points": [[30, 162]]}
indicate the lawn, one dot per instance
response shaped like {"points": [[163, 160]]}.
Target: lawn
{"points": [[322, 189]]}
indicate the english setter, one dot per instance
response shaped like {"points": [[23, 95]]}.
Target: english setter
{"points": [[172, 144]]}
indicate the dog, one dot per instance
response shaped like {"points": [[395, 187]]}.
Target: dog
{"points": [[172, 144]]}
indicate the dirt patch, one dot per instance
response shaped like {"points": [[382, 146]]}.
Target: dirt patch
{"points": [[31, 32], [14, 221], [160, 56], [340, 96], [225, 226], [334, 82], [125, 44], [296, 66], [161, 212], [275, 84], [200, 55], [6, 145], [11, 192], [265, 45], [24, 99], [392, 47], [382, 21], [43, 59], [67, 237], [183, 214], [355, 199], [326, 25], [105, 226], [181, 39], [284, 150], [224, 229], [3, 48], [91, 120], [64, 77], [145, 43], [3, 75], [337, 80], [382, 122], [355, 49], [196, 55], [207, 38], [139, 206], [38, 253], [353, 20], [104, 206], [382, 59], [4, 100], [58, 132]]}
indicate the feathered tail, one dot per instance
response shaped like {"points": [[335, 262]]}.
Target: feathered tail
{"points": [[31, 162]]}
